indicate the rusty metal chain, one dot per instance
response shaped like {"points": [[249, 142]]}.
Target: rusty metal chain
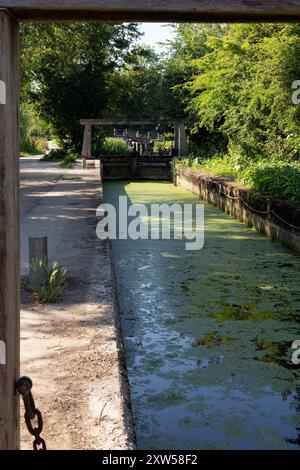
{"points": [[267, 212], [24, 386]]}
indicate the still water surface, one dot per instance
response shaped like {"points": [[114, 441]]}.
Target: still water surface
{"points": [[208, 333]]}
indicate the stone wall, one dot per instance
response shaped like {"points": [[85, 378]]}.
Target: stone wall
{"points": [[276, 219]]}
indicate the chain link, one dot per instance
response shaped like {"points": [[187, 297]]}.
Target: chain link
{"points": [[267, 212], [24, 386]]}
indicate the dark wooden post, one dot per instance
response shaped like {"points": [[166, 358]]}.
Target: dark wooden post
{"points": [[87, 144], [38, 251], [9, 231], [182, 141], [176, 136]]}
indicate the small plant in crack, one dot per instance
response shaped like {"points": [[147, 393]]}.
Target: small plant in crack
{"points": [[47, 283]]}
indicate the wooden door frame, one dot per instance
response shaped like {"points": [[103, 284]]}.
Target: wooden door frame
{"points": [[154, 10], [11, 13]]}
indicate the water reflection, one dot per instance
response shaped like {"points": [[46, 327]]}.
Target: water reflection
{"points": [[208, 333]]}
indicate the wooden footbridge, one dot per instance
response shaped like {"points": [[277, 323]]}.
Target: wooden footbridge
{"points": [[142, 163]]}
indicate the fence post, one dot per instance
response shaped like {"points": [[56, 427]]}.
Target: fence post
{"points": [[87, 144], [38, 251]]}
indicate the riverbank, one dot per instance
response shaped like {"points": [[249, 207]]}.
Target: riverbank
{"points": [[276, 219]]}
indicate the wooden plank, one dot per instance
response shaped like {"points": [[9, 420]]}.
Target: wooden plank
{"points": [[9, 231], [122, 122], [155, 10]]}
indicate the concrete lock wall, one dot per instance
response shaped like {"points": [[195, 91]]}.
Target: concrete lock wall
{"points": [[135, 168], [276, 219]]}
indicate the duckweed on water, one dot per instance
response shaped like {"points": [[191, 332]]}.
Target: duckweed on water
{"points": [[208, 333]]}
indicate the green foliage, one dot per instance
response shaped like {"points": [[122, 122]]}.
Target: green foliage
{"points": [[275, 178], [55, 155], [137, 87], [56, 279], [162, 147], [66, 73], [219, 165], [239, 88], [242, 89], [230, 83], [34, 146], [280, 179], [68, 161], [113, 146], [177, 67], [40, 143], [33, 137]]}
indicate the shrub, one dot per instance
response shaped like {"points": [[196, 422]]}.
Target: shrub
{"points": [[52, 288], [40, 143], [33, 139], [281, 180], [65, 158], [218, 165], [55, 154], [113, 146], [162, 147], [241, 87], [278, 179], [34, 146], [68, 161]]}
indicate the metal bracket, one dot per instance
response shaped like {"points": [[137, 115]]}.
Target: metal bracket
{"points": [[2, 92], [2, 353]]}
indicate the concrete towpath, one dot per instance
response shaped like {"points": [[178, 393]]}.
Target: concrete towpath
{"points": [[72, 349]]}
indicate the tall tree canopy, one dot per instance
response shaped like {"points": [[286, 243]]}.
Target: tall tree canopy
{"points": [[66, 72], [242, 89], [231, 83]]}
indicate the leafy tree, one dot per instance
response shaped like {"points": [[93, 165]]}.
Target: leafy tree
{"points": [[66, 73], [180, 67], [136, 88], [243, 89]]}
